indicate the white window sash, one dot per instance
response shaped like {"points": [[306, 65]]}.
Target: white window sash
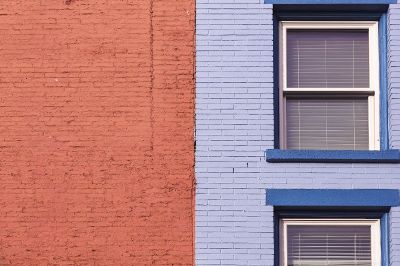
{"points": [[372, 91], [375, 234]]}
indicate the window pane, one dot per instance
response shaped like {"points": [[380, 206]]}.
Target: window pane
{"points": [[327, 123], [327, 59], [309, 245]]}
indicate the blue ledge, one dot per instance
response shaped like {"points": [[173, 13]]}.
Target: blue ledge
{"points": [[333, 197], [330, 2], [308, 156]]}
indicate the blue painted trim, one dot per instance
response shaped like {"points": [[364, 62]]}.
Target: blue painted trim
{"points": [[332, 156], [333, 197], [332, 212], [385, 240], [276, 63], [329, 2], [384, 131], [276, 238], [328, 14], [332, 12]]}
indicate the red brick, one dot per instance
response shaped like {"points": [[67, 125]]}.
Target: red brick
{"points": [[96, 132]]}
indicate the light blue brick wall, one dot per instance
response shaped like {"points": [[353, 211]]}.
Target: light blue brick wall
{"points": [[234, 126]]}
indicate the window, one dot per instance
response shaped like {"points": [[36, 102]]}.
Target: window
{"points": [[329, 85], [330, 242]]}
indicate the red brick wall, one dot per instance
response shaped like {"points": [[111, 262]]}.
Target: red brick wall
{"points": [[96, 132]]}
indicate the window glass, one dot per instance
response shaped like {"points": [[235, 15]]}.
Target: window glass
{"points": [[335, 245], [327, 58], [328, 123]]}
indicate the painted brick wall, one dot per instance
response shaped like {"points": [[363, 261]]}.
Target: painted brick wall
{"points": [[394, 118], [234, 126], [96, 132]]}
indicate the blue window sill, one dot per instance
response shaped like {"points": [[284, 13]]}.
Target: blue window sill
{"points": [[335, 156], [330, 2]]}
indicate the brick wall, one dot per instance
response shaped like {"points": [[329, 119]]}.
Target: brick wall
{"points": [[394, 122], [96, 132], [234, 126]]}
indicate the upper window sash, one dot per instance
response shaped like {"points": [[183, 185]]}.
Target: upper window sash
{"points": [[371, 26]]}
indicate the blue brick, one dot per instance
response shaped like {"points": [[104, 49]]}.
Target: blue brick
{"points": [[234, 68]]}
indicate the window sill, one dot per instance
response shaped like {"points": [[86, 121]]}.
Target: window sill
{"points": [[334, 156]]}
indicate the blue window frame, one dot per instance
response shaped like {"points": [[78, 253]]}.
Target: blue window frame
{"points": [[335, 204], [334, 213], [334, 13]]}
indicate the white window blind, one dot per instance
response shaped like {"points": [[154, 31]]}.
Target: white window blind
{"points": [[328, 123], [336, 245], [327, 58]]}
